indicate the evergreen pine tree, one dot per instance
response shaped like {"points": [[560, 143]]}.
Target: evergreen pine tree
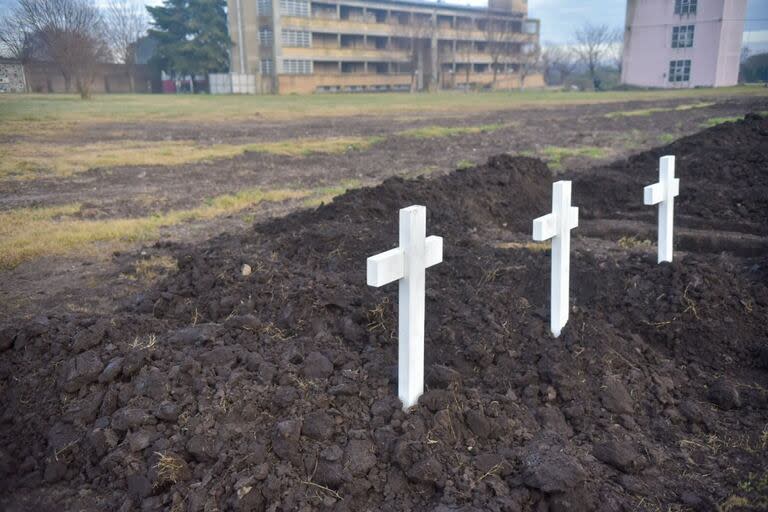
{"points": [[192, 36]]}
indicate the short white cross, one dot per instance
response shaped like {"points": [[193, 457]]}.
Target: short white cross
{"points": [[407, 265], [663, 193], [557, 226]]}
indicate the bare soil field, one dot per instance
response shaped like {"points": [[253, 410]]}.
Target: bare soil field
{"points": [[291, 164], [168, 378]]}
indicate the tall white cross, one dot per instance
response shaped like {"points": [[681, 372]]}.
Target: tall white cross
{"points": [[557, 226], [407, 264], [663, 193]]}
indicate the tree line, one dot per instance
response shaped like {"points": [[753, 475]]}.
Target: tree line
{"points": [[77, 36], [592, 48]]}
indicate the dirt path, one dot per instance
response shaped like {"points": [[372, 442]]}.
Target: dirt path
{"points": [[95, 280]]}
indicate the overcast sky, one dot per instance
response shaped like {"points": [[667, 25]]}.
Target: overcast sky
{"points": [[559, 18]]}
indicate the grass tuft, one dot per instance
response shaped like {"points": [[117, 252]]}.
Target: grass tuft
{"points": [[433, 132], [170, 469], [667, 138], [631, 242], [324, 195], [529, 246], [554, 155], [714, 121], [649, 111], [465, 164]]}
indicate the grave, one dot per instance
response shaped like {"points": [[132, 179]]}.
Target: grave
{"points": [[557, 226], [407, 264], [663, 193]]}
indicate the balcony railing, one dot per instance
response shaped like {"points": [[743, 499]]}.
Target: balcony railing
{"points": [[347, 54], [350, 26]]}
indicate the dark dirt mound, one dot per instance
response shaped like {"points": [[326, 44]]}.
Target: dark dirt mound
{"points": [[723, 175], [506, 189], [276, 390]]}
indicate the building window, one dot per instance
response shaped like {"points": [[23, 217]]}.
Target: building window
{"points": [[294, 8], [530, 27], [264, 7], [266, 67], [682, 37], [685, 6], [265, 36], [679, 70], [296, 38], [297, 67]]}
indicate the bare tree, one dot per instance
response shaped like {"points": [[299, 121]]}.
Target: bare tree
{"points": [[419, 33], [559, 63], [615, 54], [498, 37], [530, 62], [593, 44], [69, 33], [126, 22], [464, 52]]}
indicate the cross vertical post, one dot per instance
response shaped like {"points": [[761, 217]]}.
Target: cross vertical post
{"points": [[557, 226], [407, 264], [663, 193]]}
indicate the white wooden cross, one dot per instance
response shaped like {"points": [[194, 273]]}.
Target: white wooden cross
{"points": [[407, 264], [663, 193], [557, 226]]}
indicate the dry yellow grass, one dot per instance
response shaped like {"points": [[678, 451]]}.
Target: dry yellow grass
{"points": [[31, 159], [429, 132], [531, 246], [26, 160], [649, 111], [28, 233], [149, 269]]}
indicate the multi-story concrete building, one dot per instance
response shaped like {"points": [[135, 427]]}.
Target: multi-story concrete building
{"points": [[305, 46], [683, 43]]}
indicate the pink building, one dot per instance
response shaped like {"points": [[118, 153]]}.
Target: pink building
{"points": [[682, 43]]}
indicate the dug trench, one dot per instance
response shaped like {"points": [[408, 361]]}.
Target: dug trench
{"points": [[262, 374]]}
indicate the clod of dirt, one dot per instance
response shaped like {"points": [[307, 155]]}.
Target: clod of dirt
{"points": [[551, 470], [724, 394], [79, 371], [317, 366], [622, 455], [615, 397], [318, 425]]}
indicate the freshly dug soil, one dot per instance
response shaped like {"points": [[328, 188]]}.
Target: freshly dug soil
{"points": [[273, 386], [720, 178]]}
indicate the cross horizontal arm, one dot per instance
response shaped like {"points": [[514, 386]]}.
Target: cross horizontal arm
{"points": [[544, 227], [573, 217], [653, 194], [386, 267], [433, 251]]}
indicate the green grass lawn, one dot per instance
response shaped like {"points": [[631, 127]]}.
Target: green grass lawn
{"points": [[56, 108]]}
